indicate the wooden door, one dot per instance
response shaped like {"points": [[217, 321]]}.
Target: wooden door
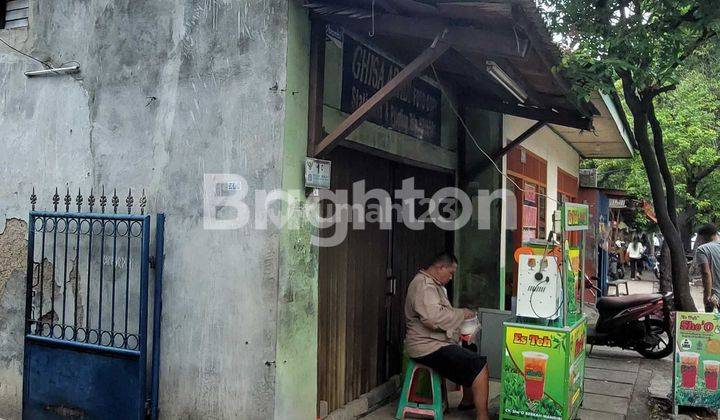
{"points": [[411, 251], [351, 293], [361, 325]]}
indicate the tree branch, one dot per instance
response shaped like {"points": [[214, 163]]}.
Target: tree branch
{"points": [[655, 92], [706, 35], [705, 172]]}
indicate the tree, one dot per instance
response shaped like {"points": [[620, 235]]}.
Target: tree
{"points": [[642, 43], [690, 117]]}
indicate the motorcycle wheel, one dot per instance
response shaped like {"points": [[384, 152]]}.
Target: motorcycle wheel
{"points": [[666, 344]]}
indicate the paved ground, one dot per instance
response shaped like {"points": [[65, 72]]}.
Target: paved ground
{"points": [[619, 384]]}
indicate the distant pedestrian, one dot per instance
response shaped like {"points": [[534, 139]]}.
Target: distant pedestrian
{"points": [[635, 252], [708, 259]]}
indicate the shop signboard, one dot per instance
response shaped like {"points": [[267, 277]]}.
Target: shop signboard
{"points": [[576, 216], [414, 110], [543, 371], [697, 359]]}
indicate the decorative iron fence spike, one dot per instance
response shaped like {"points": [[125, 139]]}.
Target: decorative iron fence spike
{"points": [[129, 200], [91, 200], [143, 202], [115, 200], [33, 199], [79, 201], [56, 199], [68, 199], [103, 199]]}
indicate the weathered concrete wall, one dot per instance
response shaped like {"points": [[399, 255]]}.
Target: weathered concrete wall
{"points": [[169, 90]]}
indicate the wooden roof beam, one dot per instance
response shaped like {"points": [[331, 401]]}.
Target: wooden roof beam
{"points": [[548, 116], [408, 73], [462, 38]]}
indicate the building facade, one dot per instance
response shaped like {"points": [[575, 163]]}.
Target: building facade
{"points": [[257, 322]]}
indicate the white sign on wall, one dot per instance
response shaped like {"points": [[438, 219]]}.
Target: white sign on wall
{"points": [[317, 173]]}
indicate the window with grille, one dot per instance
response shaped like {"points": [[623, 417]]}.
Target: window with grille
{"points": [[14, 13]]}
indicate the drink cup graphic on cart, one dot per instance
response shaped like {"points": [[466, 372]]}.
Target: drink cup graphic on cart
{"points": [[711, 368], [535, 366], [689, 368]]}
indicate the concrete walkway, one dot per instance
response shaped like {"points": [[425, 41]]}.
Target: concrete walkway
{"points": [[610, 379], [617, 382]]}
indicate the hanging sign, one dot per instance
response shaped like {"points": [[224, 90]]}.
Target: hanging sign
{"points": [[530, 193], [317, 173], [697, 359], [413, 110], [576, 216]]}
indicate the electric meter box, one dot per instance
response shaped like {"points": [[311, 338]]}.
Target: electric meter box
{"points": [[539, 287]]}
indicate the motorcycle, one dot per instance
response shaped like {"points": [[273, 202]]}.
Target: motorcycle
{"points": [[639, 322]]}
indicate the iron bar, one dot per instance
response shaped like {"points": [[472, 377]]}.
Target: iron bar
{"points": [[65, 271], [144, 268], [52, 286], [100, 297], [84, 346], [96, 216], [29, 278], [157, 314], [42, 264], [77, 273], [127, 278], [89, 271], [114, 270]]}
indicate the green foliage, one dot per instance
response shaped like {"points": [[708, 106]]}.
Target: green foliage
{"points": [[690, 117], [647, 38]]}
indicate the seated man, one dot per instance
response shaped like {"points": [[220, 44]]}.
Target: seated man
{"points": [[432, 334]]}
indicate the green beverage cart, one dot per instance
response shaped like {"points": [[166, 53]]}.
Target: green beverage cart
{"points": [[543, 364]]}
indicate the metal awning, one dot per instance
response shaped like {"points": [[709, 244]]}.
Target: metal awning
{"points": [[610, 137], [495, 55]]}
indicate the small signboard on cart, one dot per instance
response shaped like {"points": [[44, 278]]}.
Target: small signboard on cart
{"points": [[697, 360]]}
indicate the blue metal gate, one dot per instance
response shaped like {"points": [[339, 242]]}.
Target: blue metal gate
{"points": [[86, 309]]}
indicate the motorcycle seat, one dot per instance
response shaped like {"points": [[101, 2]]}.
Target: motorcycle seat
{"points": [[617, 303]]}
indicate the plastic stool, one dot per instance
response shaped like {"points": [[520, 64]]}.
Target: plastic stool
{"points": [[410, 403]]}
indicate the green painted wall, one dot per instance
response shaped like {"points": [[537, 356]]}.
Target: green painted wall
{"points": [[296, 361]]}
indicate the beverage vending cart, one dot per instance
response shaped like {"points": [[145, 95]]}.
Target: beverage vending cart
{"points": [[543, 364]]}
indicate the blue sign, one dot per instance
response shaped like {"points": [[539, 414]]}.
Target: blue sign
{"points": [[413, 110]]}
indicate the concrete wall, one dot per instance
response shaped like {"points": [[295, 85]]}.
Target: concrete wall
{"points": [[169, 90], [549, 146]]}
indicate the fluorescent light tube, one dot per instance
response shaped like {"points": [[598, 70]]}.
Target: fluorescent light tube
{"points": [[506, 81]]}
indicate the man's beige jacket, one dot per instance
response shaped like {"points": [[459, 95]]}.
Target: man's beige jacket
{"points": [[431, 320]]}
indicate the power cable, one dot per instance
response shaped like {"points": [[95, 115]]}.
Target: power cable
{"points": [[44, 63], [474, 140]]}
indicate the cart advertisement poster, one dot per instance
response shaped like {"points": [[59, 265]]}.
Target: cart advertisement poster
{"points": [[697, 359], [532, 356], [576, 216]]}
